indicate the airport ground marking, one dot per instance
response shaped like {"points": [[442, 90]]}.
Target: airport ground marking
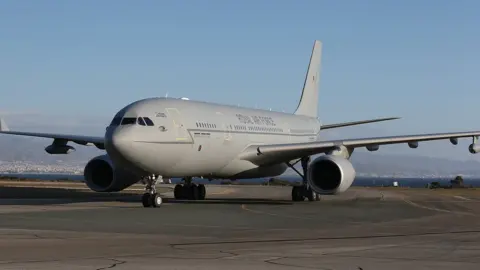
{"points": [[437, 209], [244, 207]]}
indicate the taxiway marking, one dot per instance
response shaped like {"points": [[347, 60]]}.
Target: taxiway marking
{"points": [[437, 209]]}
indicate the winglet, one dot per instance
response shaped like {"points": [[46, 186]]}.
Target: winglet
{"points": [[3, 125]]}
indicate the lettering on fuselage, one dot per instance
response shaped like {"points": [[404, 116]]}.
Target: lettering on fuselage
{"points": [[256, 120]]}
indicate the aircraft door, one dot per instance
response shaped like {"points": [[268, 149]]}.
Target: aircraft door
{"points": [[180, 130], [227, 132], [286, 130]]}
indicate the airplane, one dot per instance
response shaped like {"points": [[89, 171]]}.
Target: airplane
{"points": [[164, 137]]}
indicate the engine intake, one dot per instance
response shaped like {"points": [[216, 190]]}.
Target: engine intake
{"points": [[330, 174], [101, 176]]}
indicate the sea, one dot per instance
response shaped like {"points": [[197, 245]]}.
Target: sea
{"points": [[364, 181]]}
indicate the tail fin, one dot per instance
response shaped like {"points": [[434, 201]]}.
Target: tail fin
{"points": [[308, 104]]}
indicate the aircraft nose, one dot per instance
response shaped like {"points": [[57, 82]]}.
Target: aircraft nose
{"points": [[118, 141]]}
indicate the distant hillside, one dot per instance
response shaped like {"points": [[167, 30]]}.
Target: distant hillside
{"points": [[409, 165], [19, 148]]}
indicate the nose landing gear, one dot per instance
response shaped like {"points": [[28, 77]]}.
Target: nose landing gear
{"points": [[151, 198]]}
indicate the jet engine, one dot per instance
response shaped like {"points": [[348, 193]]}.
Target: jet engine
{"points": [[330, 174], [474, 148], [101, 176]]}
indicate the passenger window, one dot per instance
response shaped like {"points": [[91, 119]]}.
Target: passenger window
{"points": [[129, 121], [148, 121], [141, 122]]}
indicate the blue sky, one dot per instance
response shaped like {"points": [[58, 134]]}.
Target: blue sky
{"points": [[414, 59]]}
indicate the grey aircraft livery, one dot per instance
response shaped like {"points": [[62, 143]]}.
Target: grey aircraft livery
{"points": [[157, 138]]}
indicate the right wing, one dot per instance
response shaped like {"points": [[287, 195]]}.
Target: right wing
{"points": [[58, 138], [354, 123], [279, 153]]}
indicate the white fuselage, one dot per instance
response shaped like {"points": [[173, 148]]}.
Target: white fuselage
{"points": [[191, 138]]}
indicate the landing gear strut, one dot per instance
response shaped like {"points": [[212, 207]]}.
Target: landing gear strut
{"points": [[189, 191], [300, 193], [151, 198]]}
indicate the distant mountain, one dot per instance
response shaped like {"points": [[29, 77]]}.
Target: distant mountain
{"points": [[410, 165], [430, 158], [29, 149], [16, 148]]}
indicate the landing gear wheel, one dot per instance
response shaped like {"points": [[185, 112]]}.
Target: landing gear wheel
{"points": [[151, 198], [178, 192], [310, 194], [146, 200], [297, 194], [194, 192], [202, 191], [156, 200]]}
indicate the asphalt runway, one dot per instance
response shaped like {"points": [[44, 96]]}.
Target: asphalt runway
{"points": [[65, 226]]}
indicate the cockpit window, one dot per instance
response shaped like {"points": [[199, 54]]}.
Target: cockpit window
{"points": [[141, 122], [129, 121], [116, 121], [148, 121]]}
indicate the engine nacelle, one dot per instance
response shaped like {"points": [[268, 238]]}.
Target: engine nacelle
{"points": [[59, 149], [330, 174], [101, 176], [474, 148]]}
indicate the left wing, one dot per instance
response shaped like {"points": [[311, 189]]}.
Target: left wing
{"points": [[59, 139], [354, 123], [278, 153]]}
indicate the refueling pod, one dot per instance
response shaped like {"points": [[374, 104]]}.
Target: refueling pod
{"points": [[413, 144], [59, 149], [454, 141]]}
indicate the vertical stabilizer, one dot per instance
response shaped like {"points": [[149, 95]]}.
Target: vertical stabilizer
{"points": [[308, 104]]}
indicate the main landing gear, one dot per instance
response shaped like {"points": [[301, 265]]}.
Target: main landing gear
{"points": [[300, 193], [151, 198], [189, 191]]}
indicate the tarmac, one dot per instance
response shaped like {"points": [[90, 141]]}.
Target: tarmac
{"points": [[66, 226]]}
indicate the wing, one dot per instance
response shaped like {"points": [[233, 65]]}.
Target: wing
{"points": [[59, 139], [346, 124], [278, 153]]}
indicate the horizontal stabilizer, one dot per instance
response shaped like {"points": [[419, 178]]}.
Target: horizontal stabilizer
{"points": [[346, 124]]}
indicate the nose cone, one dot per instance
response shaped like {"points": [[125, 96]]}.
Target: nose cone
{"points": [[118, 141]]}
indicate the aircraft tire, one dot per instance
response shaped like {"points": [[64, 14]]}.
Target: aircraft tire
{"points": [[178, 192], [194, 192], [309, 194], [202, 191], [156, 200], [297, 194], [146, 200]]}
